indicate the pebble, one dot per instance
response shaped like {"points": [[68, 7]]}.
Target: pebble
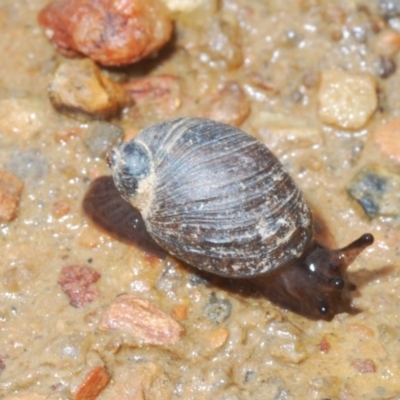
{"points": [[387, 137], [183, 5], [387, 42], [159, 94], [110, 32], [80, 89], [377, 190], [217, 309], [101, 137], [390, 8], [346, 100], [228, 105], [77, 282], [141, 319], [285, 344], [93, 384], [222, 47], [29, 165], [10, 195], [278, 127], [363, 366], [20, 119]]}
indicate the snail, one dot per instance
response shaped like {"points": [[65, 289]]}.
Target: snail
{"points": [[218, 199]]}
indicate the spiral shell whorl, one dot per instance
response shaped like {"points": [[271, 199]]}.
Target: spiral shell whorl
{"points": [[220, 200]]}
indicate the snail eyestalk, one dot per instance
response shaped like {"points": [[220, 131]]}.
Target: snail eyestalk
{"points": [[316, 285]]}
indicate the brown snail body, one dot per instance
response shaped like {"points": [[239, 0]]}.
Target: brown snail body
{"points": [[216, 198]]}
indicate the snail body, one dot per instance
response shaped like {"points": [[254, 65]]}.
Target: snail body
{"points": [[218, 199]]}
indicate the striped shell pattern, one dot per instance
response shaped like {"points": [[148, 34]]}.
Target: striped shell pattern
{"points": [[213, 196]]}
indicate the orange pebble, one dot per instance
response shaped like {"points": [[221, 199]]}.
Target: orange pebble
{"points": [[179, 312], [387, 137], [218, 337], [94, 383]]}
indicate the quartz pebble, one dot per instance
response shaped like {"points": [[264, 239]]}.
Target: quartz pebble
{"points": [[141, 319], [111, 32], [10, 194], [377, 190], [183, 5], [346, 100], [79, 88], [20, 119], [101, 137]]}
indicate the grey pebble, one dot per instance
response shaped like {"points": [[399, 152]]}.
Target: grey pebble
{"points": [[29, 165], [217, 310], [390, 8], [377, 190]]}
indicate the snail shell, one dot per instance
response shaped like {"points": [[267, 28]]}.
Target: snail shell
{"points": [[213, 196], [218, 199]]}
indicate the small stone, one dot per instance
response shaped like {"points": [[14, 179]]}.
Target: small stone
{"points": [[10, 195], [221, 44], [20, 119], [387, 42], [390, 8], [346, 100], [377, 190], [363, 366], [285, 343], [387, 137], [218, 338], [77, 282], [29, 166], [217, 310], [155, 94], [80, 89], [229, 105], [93, 384], [101, 137], [141, 319], [183, 5], [281, 127], [110, 32]]}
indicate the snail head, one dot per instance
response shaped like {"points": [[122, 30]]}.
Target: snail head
{"points": [[316, 285]]}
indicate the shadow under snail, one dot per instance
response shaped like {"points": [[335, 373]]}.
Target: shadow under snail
{"points": [[216, 198]]}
